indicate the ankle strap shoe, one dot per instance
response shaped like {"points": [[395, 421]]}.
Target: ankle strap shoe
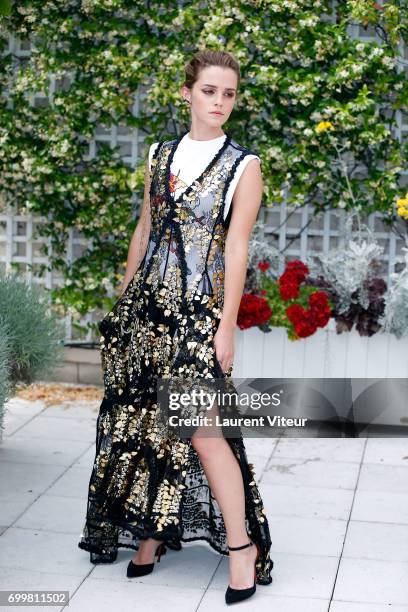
{"points": [[236, 595]]}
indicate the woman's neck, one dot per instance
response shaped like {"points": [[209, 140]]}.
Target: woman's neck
{"points": [[204, 134]]}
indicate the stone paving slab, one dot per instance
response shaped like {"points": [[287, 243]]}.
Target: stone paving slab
{"points": [[337, 508]]}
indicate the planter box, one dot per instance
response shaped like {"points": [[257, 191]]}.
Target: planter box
{"points": [[326, 354]]}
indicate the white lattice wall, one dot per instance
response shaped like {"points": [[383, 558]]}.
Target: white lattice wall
{"points": [[20, 248], [324, 233]]}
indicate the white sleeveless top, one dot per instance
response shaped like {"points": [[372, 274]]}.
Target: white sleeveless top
{"points": [[191, 159]]}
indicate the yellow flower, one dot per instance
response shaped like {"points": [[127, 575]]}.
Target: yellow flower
{"points": [[402, 207], [323, 126], [403, 212]]}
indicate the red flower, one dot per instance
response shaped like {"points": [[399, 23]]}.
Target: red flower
{"points": [[289, 290], [297, 264], [263, 265], [297, 269], [303, 320], [318, 298], [319, 307], [322, 317], [253, 310], [290, 277], [287, 277], [295, 313], [305, 328]]}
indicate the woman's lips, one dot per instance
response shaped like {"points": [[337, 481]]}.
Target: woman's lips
{"points": [[215, 113]]}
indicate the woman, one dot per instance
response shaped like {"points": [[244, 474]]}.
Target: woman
{"points": [[176, 316]]}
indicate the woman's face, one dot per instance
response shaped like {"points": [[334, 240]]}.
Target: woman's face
{"points": [[212, 95]]}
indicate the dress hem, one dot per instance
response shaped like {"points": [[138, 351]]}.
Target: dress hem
{"points": [[92, 549]]}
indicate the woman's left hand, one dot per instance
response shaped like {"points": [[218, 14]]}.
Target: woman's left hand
{"points": [[224, 344]]}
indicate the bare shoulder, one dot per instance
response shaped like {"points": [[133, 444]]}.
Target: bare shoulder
{"points": [[246, 201], [251, 172], [250, 182]]}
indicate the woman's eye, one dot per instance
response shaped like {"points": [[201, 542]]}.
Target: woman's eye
{"points": [[207, 91]]}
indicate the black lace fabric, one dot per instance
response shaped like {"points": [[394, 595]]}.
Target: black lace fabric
{"points": [[146, 481]]}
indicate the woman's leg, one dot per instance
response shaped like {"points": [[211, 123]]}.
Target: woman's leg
{"points": [[146, 552], [225, 479]]}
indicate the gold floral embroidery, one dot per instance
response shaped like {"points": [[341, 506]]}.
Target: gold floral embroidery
{"points": [[145, 481]]}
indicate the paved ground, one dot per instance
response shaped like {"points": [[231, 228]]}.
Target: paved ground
{"points": [[338, 513]]}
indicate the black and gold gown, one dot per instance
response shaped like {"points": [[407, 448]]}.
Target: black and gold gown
{"points": [[144, 483]]}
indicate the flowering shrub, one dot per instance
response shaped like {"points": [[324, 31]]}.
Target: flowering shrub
{"points": [[311, 98]]}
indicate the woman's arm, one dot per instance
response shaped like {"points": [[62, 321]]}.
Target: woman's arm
{"points": [[140, 238], [246, 202]]}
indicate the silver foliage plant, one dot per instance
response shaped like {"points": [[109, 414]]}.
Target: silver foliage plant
{"points": [[259, 250], [395, 317], [348, 266]]}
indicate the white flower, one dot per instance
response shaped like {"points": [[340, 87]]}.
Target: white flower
{"points": [[376, 52], [27, 163], [389, 61], [64, 146], [309, 22]]}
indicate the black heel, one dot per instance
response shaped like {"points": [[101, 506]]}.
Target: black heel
{"points": [[236, 595], [135, 571]]}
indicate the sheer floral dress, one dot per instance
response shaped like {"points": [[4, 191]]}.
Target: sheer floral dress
{"points": [[144, 483]]}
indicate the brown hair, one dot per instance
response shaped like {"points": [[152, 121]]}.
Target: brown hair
{"points": [[208, 57]]}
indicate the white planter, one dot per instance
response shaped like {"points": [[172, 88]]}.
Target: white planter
{"points": [[325, 354]]}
